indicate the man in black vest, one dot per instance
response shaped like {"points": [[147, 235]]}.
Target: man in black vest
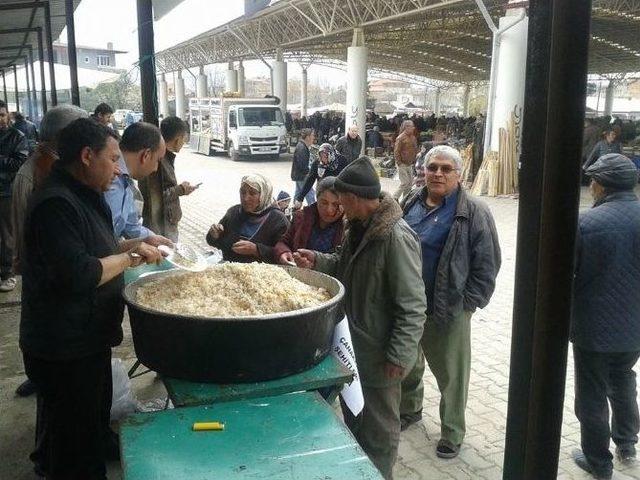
{"points": [[72, 306]]}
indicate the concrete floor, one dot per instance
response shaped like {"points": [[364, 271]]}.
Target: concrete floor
{"points": [[482, 454]]}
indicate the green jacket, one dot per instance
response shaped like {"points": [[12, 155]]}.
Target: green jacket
{"points": [[385, 300]]}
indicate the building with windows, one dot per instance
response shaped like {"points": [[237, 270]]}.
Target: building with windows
{"points": [[93, 58]]}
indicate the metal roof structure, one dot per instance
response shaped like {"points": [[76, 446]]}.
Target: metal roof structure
{"points": [[18, 27], [433, 42]]}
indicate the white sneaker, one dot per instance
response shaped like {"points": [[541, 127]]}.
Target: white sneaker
{"points": [[8, 284]]}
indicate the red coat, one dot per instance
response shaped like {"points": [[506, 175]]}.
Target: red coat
{"points": [[299, 232]]}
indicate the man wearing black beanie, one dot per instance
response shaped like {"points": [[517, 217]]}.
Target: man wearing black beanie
{"points": [[380, 265]]}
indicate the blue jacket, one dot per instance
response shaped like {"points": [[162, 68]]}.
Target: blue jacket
{"points": [[606, 309]]}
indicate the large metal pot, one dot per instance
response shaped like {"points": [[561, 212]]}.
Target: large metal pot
{"points": [[234, 350]]}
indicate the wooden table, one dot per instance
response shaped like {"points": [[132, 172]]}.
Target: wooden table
{"points": [[295, 436], [329, 376]]}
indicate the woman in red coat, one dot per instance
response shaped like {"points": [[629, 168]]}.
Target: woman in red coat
{"points": [[316, 227]]}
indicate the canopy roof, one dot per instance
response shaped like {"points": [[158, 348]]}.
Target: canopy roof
{"points": [[17, 28], [424, 41]]}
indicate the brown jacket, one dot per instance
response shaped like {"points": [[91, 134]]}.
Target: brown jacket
{"points": [[405, 149]]}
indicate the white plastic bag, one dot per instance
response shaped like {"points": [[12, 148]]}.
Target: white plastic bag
{"points": [[122, 401]]}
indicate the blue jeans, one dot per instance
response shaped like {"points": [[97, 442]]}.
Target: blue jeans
{"points": [[310, 197]]}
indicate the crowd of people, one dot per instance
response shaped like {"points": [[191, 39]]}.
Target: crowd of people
{"points": [[415, 265]]}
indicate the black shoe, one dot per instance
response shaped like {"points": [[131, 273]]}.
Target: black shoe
{"points": [[408, 419], [582, 462], [626, 454], [26, 388], [447, 449]]}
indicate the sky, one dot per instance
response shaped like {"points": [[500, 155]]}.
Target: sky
{"points": [[100, 21]]}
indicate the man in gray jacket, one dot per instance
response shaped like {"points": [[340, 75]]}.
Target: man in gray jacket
{"points": [[460, 262], [379, 265], [605, 327]]}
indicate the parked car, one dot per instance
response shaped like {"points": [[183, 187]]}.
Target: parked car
{"points": [[119, 116]]}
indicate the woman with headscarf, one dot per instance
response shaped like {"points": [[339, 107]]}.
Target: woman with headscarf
{"points": [[328, 164], [316, 227], [248, 231]]}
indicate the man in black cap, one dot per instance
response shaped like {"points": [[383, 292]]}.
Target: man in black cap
{"points": [[605, 328], [381, 267]]}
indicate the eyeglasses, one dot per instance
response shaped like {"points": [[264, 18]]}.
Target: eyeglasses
{"points": [[445, 169]]}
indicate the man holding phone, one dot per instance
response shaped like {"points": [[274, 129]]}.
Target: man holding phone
{"points": [[161, 191]]}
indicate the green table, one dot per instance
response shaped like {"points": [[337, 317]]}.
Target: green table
{"points": [[329, 376], [293, 437]]}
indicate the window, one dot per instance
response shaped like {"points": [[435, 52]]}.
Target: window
{"points": [[86, 59], [103, 60]]}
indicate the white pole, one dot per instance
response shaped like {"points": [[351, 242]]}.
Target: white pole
{"points": [[201, 86], [437, 108], [465, 100], [356, 108], [303, 93], [181, 109], [508, 64], [232, 79], [241, 86], [279, 77], [163, 99], [608, 99]]}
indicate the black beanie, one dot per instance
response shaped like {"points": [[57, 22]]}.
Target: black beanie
{"points": [[359, 178]]}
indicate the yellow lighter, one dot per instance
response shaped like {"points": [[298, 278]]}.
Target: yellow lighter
{"points": [[203, 426]]}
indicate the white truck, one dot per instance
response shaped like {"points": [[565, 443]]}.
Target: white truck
{"points": [[242, 127]]}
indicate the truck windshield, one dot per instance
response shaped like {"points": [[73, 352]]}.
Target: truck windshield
{"points": [[259, 117]]}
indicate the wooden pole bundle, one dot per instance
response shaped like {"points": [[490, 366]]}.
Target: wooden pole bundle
{"points": [[498, 174]]}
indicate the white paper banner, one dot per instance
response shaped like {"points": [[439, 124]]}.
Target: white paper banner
{"points": [[343, 351]]}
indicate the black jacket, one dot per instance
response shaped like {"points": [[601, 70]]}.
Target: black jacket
{"points": [[65, 314], [317, 172], [300, 165], [13, 153], [274, 226], [349, 148]]}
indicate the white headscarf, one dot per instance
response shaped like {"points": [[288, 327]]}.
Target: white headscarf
{"points": [[262, 185]]}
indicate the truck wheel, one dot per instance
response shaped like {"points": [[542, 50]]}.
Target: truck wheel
{"points": [[233, 155]]}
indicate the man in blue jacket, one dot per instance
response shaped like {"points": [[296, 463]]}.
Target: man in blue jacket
{"points": [[605, 328]]}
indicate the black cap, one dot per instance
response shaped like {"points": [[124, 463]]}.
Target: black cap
{"points": [[359, 178]]}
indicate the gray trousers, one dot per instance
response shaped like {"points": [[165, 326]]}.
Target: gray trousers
{"points": [[6, 239], [377, 428], [405, 172]]}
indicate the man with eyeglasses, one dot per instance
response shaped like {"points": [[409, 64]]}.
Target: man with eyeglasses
{"points": [[460, 262]]}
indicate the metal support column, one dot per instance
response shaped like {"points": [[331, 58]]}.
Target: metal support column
{"points": [[146, 48], [201, 84], [73, 55], [43, 86], [4, 87], [34, 91], [303, 93], [15, 85], [356, 108], [241, 81], [181, 101], [29, 111], [231, 84], [49, 40], [163, 99], [557, 55], [466, 95], [608, 99], [438, 102]]}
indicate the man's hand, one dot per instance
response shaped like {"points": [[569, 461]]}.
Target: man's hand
{"points": [[286, 259], [188, 188], [305, 258], [393, 371], [297, 205], [216, 231], [148, 253], [157, 240], [245, 247]]}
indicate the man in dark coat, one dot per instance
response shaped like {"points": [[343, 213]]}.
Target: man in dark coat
{"points": [[605, 327], [13, 153], [350, 145], [300, 165]]}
